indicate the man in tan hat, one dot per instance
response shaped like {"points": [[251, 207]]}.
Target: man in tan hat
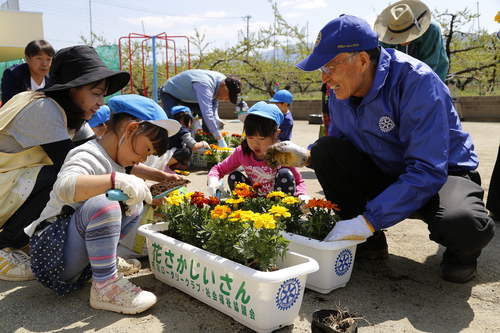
{"points": [[407, 26]]}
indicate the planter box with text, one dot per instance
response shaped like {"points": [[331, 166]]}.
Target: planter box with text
{"points": [[262, 301]]}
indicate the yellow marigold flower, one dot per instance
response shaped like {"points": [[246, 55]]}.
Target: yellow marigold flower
{"points": [[247, 215], [497, 17], [242, 186], [220, 212], [290, 200], [234, 202], [226, 149], [189, 194], [276, 194], [265, 220], [279, 211], [175, 200]]}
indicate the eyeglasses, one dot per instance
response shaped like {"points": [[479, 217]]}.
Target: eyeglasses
{"points": [[328, 70]]}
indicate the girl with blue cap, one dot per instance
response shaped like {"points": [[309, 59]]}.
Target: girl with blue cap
{"points": [[261, 126], [77, 234]]}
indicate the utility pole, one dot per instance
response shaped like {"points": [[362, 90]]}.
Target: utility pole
{"points": [[90, 11], [248, 17], [478, 27], [274, 44]]}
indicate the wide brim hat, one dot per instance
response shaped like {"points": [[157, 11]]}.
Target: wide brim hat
{"points": [[80, 65], [403, 22], [263, 109], [144, 109]]}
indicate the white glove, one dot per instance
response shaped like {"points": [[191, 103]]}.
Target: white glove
{"points": [[134, 187], [222, 143], [304, 198], [206, 145], [354, 229], [214, 184], [286, 154]]}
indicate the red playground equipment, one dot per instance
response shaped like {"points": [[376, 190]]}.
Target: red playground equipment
{"points": [[162, 37]]}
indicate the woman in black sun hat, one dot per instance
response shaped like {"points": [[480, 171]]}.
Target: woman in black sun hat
{"points": [[37, 130]]}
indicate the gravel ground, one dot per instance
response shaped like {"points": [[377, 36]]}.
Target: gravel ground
{"points": [[404, 293]]}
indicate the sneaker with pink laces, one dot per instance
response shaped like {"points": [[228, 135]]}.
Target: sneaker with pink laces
{"points": [[127, 266], [121, 296]]}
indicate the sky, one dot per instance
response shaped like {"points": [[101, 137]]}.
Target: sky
{"points": [[222, 22]]}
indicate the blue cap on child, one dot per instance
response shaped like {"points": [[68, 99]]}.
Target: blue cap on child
{"points": [[282, 96], [145, 109], [100, 117], [181, 108], [262, 109]]}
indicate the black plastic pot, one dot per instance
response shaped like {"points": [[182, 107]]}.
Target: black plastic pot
{"points": [[317, 325], [315, 119]]}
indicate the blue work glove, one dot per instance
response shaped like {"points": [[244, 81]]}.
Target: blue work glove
{"points": [[357, 228], [222, 143]]}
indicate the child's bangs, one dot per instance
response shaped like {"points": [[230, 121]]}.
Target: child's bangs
{"points": [[259, 126], [157, 135]]}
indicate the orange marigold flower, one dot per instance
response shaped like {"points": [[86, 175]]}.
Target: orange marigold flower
{"points": [[313, 203], [220, 212]]}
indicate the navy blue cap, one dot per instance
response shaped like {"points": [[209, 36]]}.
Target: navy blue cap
{"points": [[282, 96], [145, 109], [346, 33], [263, 109], [100, 117]]}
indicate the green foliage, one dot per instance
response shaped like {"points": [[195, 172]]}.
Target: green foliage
{"points": [[252, 239], [473, 55], [474, 59]]}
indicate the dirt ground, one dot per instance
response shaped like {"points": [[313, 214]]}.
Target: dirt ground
{"points": [[404, 293]]}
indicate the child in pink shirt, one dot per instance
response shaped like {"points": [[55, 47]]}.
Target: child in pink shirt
{"points": [[261, 126]]}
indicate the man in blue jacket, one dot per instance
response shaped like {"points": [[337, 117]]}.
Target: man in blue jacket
{"points": [[31, 75], [407, 26], [395, 149]]}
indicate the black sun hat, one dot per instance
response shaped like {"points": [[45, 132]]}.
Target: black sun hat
{"points": [[80, 65]]}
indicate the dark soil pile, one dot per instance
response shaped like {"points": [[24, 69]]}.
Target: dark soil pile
{"points": [[162, 187]]}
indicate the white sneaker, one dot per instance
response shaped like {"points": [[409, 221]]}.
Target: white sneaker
{"points": [[127, 266], [121, 296], [15, 265]]}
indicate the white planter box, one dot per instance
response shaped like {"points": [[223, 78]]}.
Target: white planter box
{"points": [[198, 158], [335, 259], [262, 301]]}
